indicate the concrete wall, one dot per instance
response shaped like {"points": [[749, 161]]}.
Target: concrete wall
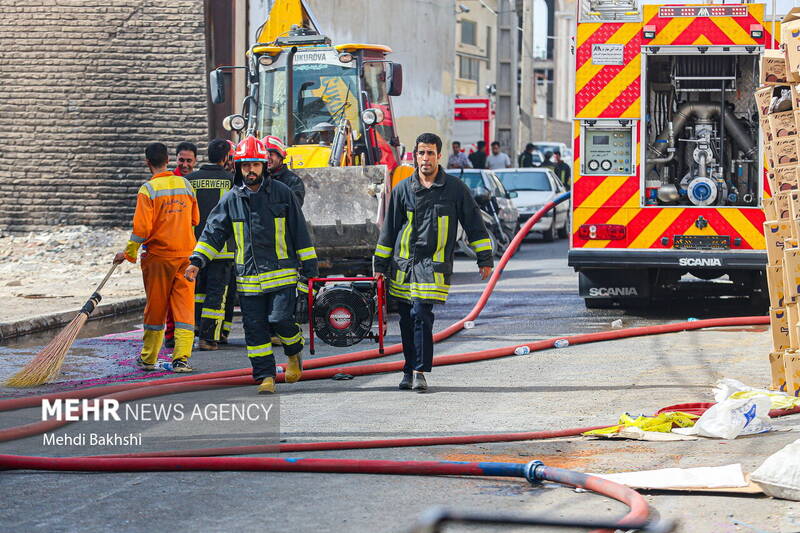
{"points": [[86, 85], [421, 34], [551, 130]]}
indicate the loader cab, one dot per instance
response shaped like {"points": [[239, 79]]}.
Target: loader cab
{"points": [[339, 111]]}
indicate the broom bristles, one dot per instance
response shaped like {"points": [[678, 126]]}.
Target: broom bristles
{"points": [[47, 363]]}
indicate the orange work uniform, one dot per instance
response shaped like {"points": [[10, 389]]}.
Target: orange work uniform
{"points": [[166, 211]]}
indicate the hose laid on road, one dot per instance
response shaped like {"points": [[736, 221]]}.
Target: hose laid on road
{"points": [[320, 369], [534, 472]]}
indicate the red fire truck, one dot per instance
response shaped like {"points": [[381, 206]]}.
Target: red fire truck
{"points": [[668, 174]]}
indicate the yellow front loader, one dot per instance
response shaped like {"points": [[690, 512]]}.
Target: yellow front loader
{"points": [[331, 105]]}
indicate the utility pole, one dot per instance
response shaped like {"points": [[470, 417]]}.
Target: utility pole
{"points": [[507, 111], [527, 99]]}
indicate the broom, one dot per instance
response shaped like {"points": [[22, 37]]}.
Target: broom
{"points": [[47, 363]]}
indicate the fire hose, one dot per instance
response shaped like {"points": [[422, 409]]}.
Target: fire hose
{"points": [[174, 460]]}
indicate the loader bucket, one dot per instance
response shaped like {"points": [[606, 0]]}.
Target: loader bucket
{"points": [[344, 209]]}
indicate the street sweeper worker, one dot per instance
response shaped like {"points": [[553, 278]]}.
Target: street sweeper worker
{"points": [[276, 152], [273, 255], [210, 182], [166, 210], [415, 250]]}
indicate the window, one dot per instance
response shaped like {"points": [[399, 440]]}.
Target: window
{"points": [[469, 68], [469, 32], [489, 43]]}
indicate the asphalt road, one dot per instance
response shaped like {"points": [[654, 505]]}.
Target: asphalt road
{"points": [[571, 387]]}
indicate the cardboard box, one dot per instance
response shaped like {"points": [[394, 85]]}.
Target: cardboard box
{"points": [[769, 208], [790, 42], [784, 179], [764, 123], [792, 318], [774, 235], [795, 88], [791, 370], [769, 155], [764, 99], [780, 329], [775, 285], [773, 68], [782, 124], [777, 371], [784, 151], [782, 205], [794, 207], [791, 276]]}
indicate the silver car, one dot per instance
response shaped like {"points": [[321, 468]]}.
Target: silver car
{"points": [[535, 187]]}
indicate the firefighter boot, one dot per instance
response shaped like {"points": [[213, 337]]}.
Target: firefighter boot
{"points": [[183, 349], [294, 369], [267, 386], [151, 346]]}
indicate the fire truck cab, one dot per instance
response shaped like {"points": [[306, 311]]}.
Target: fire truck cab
{"points": [[668, 175]]}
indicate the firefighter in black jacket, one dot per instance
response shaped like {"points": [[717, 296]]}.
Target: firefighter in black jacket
{"points": [[210, 183], [272, 243], [280, 172], [415, 250]]}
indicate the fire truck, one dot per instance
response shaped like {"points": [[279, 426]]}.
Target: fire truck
{"points": [[668, 174]]}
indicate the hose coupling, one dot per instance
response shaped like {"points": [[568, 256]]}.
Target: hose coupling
{"points": [[532, 473]]}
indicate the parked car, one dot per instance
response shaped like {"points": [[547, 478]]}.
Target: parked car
{"points": [[495, 201], [547, 146], [535, 187]]}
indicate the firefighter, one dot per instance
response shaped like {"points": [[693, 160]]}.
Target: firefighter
{"points": [[415, 250], [166, 210], [272, 244], [210, 183], [280, 172]]}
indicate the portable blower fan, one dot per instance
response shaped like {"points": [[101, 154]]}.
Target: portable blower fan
{"points": [[343, 310]]}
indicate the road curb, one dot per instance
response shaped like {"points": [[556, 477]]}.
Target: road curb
{"points": [[35, 324]]}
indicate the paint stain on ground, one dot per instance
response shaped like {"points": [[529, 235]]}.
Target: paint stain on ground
{"points": [[89, 362], [571, 460]]}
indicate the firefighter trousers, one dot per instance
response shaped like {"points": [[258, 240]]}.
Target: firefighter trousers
{"points": [[263, 314], [416, 331], [167, 289], [210, 296]]}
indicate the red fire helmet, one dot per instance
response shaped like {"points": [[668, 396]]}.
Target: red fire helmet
{"points": [[250, 149]]}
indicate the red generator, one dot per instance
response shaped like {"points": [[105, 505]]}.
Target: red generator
{"points": [[343, 310]]}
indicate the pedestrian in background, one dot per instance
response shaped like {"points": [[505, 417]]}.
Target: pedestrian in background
{"points": [[416, 246], [166, 210], [478, 157], [498, 159], [458, 159], [526, 157], [211, 181], [562, 169]]}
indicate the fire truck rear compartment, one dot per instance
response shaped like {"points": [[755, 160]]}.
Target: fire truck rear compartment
{"points": [[701, 131]]}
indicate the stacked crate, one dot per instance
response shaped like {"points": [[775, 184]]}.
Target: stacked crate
{"points": [[778, 102]]}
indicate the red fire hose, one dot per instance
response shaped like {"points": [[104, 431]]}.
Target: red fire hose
{"points": [[177, 459]]}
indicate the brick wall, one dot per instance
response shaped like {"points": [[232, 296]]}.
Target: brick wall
{"points": [[84, 86]]}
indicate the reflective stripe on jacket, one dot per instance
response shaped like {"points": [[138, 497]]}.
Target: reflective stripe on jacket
{"points": [[166, 210], [210, 183], [272, 240], [418, 238]]}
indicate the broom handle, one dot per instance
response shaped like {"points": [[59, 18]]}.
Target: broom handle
{"points": [[95, 298], [105, 279]]}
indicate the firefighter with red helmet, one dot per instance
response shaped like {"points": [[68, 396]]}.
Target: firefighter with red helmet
{"points": [[273, 254], [279, 171]]}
